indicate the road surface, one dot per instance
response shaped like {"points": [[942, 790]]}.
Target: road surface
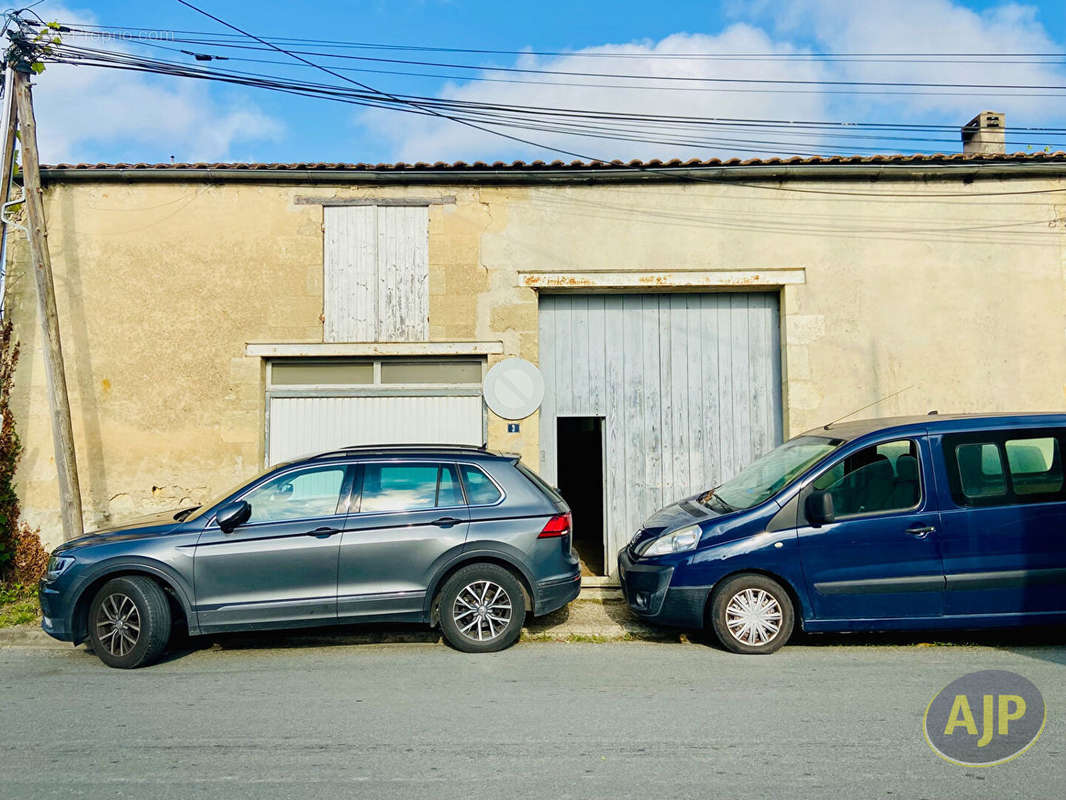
{"points": [[830, 719]]}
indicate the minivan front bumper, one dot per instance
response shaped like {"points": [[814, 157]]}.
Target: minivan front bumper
{"points": [[647, 589]]}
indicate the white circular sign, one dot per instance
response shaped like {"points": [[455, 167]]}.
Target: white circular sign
{"points": [[514, 388]]}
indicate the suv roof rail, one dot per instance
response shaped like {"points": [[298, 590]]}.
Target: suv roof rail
{"points": [[363, 448]]}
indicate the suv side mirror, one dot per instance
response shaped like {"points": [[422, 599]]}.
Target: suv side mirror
{"points": [[232, 515], [819, 509]]}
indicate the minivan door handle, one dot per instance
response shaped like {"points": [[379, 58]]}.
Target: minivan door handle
{"points": [[920, 531], [322, 533], [445, 522]]}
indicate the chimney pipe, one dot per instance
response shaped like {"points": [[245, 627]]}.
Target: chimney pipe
{"points": [[985, 134]]}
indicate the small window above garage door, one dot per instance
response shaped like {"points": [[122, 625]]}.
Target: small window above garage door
{"points": [[315, 405], [329, 373]]}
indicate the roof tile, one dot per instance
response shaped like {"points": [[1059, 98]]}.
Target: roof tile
{"points": [[655, 163]]}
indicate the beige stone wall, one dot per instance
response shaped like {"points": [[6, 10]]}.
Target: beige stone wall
{"points": [[158, 289], [160, 285]]}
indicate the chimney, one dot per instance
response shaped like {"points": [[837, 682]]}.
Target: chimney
{"points": [[985, 134]]}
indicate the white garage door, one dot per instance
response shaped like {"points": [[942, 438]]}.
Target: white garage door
{"points": [[303, 425]]}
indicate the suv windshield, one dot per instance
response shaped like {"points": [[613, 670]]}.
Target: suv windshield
{"points": [[766, 476]]}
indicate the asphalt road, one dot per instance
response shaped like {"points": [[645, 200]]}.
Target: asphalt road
{"points": [[543, 720]]}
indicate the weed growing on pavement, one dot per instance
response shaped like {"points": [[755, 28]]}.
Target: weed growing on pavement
{"points": [[18, 604]]}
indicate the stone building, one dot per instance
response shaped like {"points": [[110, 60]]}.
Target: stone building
{"points": [[686, 317]]}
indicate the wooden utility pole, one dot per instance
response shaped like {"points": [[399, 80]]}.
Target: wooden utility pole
{"points": [[37, 233], [8, 123]]}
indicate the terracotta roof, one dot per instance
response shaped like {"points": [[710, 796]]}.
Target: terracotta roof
{"points": [[462, 166]]}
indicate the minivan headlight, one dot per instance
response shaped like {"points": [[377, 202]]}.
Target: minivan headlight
{"points": [[57, 565], [675, 542]]}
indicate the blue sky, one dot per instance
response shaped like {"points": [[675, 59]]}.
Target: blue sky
{"points": [[106, 116]]}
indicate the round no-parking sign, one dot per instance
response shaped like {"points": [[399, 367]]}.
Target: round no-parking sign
{"points": [[514, 388]]}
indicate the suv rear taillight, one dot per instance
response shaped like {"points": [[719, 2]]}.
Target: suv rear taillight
{"points": [[559, 525]]}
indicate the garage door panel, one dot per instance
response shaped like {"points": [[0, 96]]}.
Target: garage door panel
{"points": [[689, 385], [303, 425]]}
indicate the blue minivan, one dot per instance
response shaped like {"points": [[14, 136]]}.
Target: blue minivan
{"points": [[908, 523]]}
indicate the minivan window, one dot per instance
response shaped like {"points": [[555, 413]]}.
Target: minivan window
{"points": [[480, 490], [297, 495], [768, 475], [1005, 467], [1035, 466], [874, 480], [981, 470]]}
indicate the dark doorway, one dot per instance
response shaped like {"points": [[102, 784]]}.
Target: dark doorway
{"points": [[580, 453]]}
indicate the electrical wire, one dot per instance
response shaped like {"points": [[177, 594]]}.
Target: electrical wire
{"points": [[483, 117], [647, 128], [889, 57], [298, 54]]}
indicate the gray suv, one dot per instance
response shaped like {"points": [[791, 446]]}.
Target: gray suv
{"points": [[459, 537]]}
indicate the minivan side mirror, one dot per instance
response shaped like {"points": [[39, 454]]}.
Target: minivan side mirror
{"points": [[819, 509], [232, 515]]}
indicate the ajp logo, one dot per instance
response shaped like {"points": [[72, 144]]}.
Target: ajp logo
{"points": [[985, 718]]}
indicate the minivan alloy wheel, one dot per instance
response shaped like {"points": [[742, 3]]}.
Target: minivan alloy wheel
{"points": [[482, 610], [118, 624], [753, 616]]}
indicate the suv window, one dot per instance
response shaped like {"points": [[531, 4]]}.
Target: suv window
{"points": [[449, 492], [883, 477], [297, 495], [1004, 467], [480, 490], [408, 487], [540, 483]]}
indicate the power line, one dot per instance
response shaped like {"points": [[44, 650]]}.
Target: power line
{"points": [[372, 89], [1038, 132], [481, 78], [476, 116], [647, 128], [891, 57], [297, 54]]}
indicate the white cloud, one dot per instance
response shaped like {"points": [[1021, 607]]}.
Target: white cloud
{"points": [[430, 139], [932, 26], [799, 26], [83, 110]]}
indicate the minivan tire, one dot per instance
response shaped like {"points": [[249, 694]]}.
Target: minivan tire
{"points": [[129, 622], [762, 630], [474, 602]]}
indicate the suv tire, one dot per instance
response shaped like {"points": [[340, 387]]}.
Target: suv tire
{"points": [[482, 609], [129, 622]]}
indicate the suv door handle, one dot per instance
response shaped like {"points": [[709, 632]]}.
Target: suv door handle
{"points": [[920, 531], [445, 522], [323, 532]]}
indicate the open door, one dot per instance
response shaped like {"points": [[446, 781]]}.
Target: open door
{"points": [[580, 481]]}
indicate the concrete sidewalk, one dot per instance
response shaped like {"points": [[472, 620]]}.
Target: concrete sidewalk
{"points": [[599, 615]]}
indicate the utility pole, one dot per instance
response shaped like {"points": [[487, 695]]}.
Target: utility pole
{"points": [[8, 124], [37, 233]]}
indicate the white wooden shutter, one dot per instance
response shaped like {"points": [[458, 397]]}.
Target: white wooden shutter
{"points": [[376, 273]]}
